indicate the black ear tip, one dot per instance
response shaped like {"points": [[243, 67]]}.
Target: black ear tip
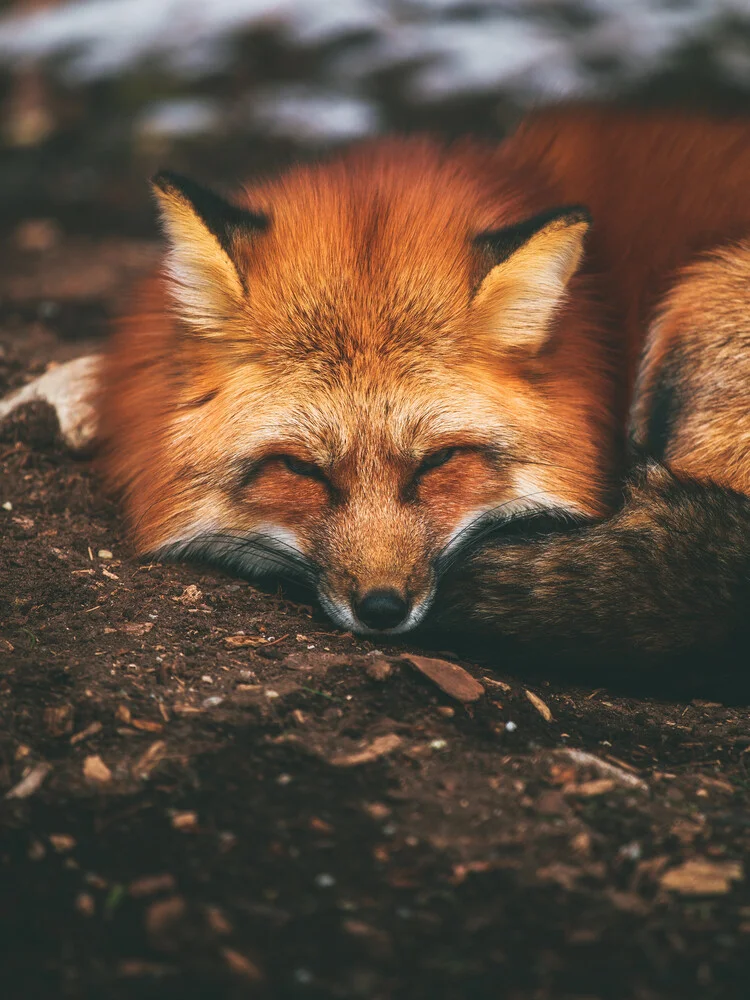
{"points": [[578, 213], [167, 180]]}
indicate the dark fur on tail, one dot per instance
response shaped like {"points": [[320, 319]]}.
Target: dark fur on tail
{"points": [[670, 571]]}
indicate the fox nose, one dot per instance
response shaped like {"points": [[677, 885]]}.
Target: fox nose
{"points": [[381, 609]]}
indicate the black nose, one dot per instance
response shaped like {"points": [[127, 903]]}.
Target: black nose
{"points": [[381, 609]]}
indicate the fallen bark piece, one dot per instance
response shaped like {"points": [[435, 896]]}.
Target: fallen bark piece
{"points": [[584, 759], [541, 706], [94, 769], [378, 748], [449, 677], [70, 389], [702, 877], [31, 783]]}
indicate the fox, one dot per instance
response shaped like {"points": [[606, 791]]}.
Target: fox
{"points": [[499, 386]]}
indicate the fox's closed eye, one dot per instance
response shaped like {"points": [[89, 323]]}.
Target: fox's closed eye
{"points": [[301, 468], [436, 459]]}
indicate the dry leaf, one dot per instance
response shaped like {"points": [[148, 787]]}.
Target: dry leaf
{"points": [[378, 748], [539, 705], [94, 769], [449, 677], [701, 877]]}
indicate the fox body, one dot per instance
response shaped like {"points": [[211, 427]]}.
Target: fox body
{"points": [[361, 372]]}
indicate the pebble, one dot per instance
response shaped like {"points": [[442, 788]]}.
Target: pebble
{"points": [[510, 727]]}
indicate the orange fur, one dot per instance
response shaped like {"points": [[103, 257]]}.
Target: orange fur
{"points": [[363, 331]]}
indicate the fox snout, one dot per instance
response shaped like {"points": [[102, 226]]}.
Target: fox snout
{"points": [[378, 574]]}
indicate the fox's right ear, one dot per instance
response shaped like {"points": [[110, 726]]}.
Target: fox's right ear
{"points": [[206, 235], [527, 268]]}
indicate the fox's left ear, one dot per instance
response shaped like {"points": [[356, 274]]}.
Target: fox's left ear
{"points": [[206, 236], [530, 266]]}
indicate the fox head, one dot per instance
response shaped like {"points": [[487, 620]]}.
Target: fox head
{"points": [[366, 363]]}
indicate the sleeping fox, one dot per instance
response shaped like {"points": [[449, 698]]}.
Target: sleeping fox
{"points": [[370, 374]]}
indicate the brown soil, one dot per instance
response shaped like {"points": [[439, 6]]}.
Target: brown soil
{"points": [[204, 828]]}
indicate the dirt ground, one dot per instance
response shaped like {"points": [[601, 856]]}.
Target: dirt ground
{"points": [[210, 792]]}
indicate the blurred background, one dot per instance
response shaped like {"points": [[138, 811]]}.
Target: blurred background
{"points": [[96, 94]]}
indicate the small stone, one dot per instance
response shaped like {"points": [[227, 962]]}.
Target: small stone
{"points": [[105, 554], [7, 505], [213, 701], [510, 727]]}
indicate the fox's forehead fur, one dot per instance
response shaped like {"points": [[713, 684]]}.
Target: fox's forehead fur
{"points": [[371, 255]]}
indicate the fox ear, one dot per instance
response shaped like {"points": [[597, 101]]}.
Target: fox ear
{"points": [[205, 233], [531, 265]]}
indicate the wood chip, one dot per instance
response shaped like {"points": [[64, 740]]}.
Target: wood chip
{"points": [[702, 877], [147, 762], [185, 820], [94, 769], [147, 726], [84, 734], [31, 783], [541, 706], [449, 677], [378, 748], [588, 789], [241, 965]]}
